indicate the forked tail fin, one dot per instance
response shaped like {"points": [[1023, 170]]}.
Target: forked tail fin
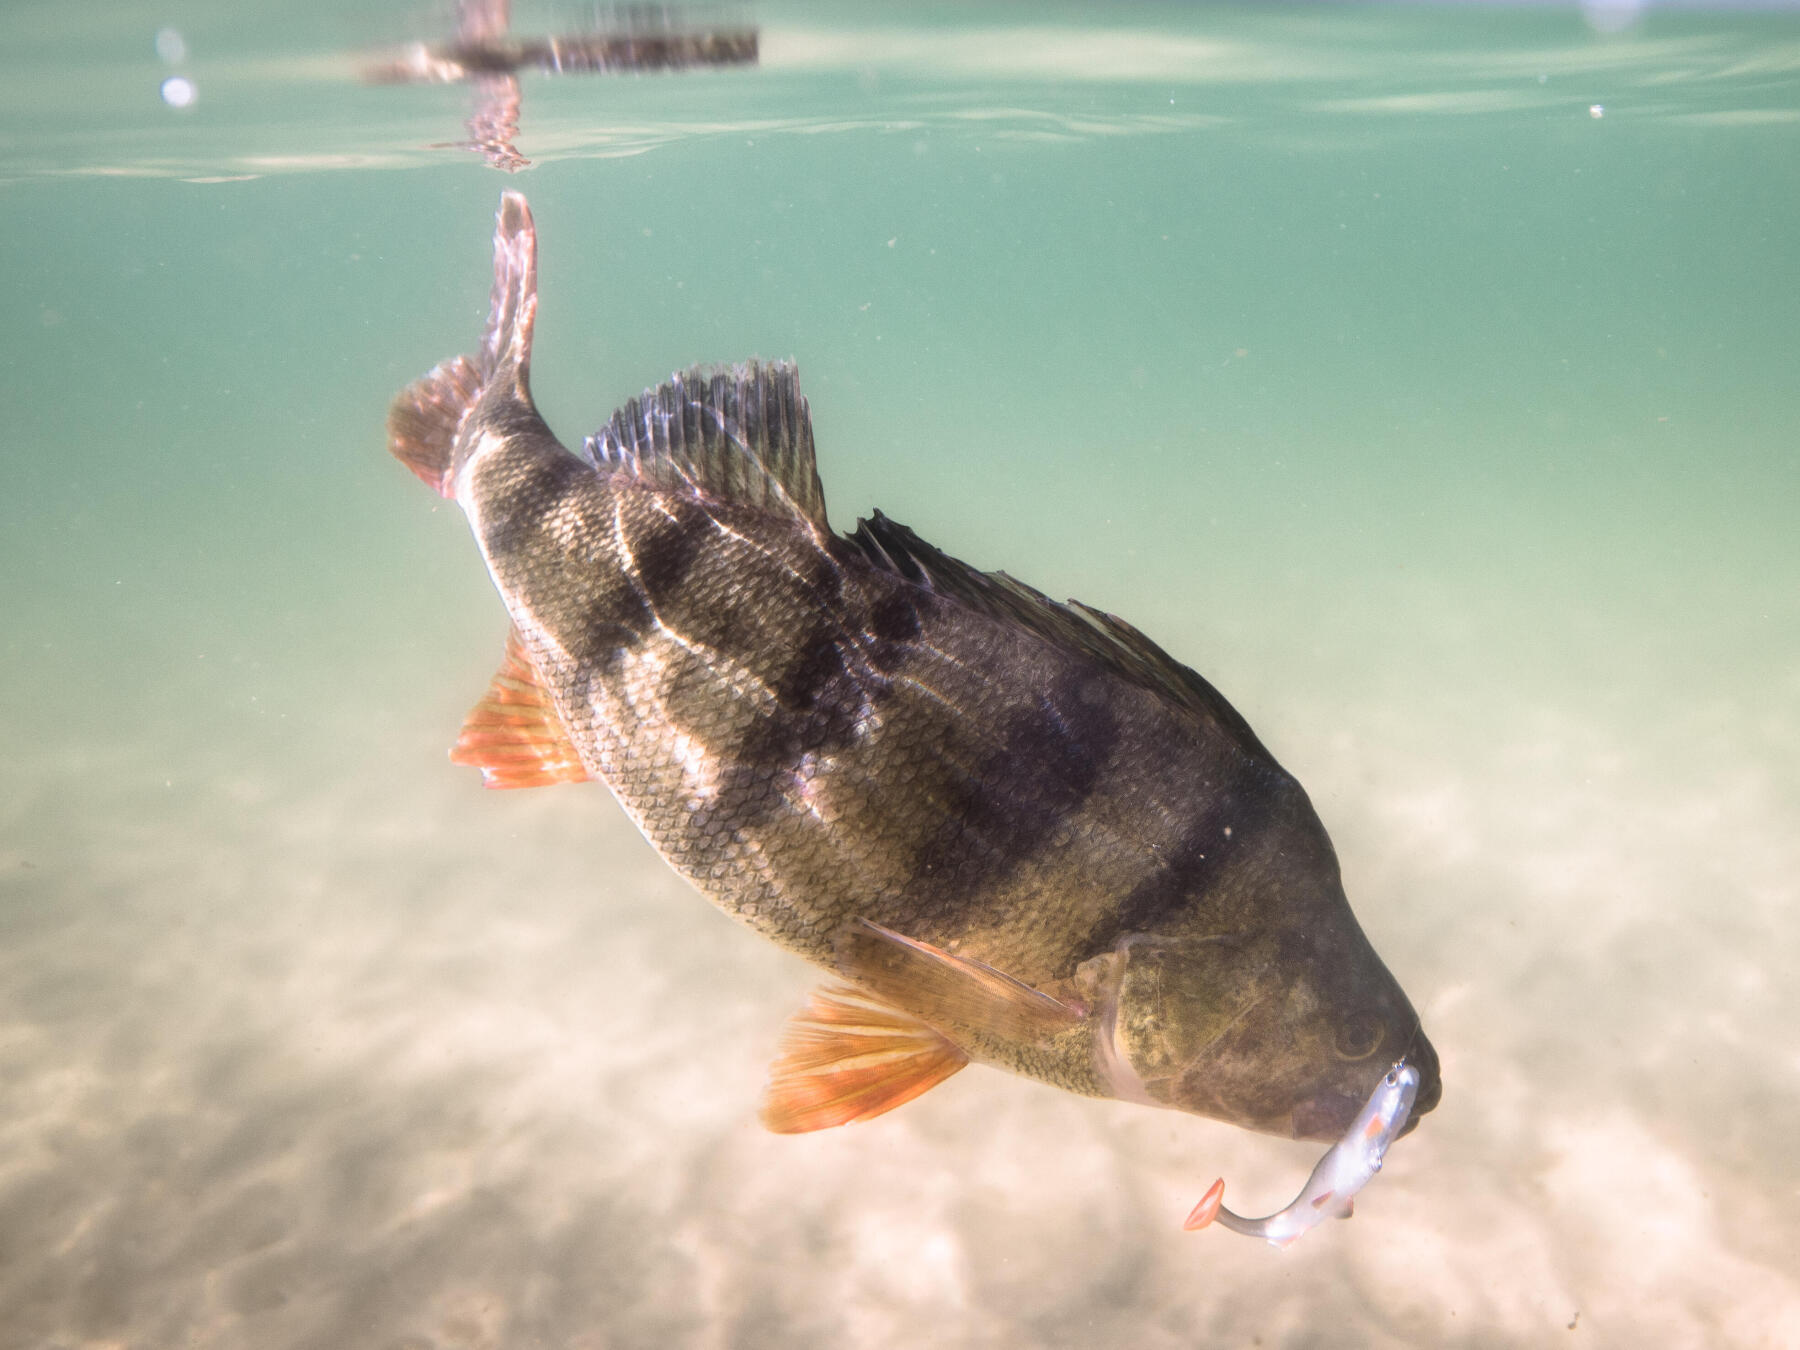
{"points": [[425, 417]]}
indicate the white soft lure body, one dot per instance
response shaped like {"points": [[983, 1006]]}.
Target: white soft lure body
{"points": [[1348, 1166]]}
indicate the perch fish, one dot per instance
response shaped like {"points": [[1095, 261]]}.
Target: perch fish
{"points": [[1010, 830]]}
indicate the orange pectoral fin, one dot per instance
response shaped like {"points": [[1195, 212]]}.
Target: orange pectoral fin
{"points": [[953, 991], [848, 1056], [514, 735], [1208, 1208]]}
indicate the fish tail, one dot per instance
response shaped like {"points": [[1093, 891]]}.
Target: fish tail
{"points": [[426, 417], [512, 308]]}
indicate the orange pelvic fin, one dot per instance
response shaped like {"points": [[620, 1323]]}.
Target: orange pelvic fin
{"points": [[1208, 1208], [514, 735], [950, 991], [424, 417], [848, 1056]]}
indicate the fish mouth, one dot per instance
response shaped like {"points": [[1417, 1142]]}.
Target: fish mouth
{"points": [[1326, 1116], [1423, 1057]]}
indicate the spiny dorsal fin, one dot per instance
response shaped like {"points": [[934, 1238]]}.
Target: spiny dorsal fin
{"points": [[848, 1056], [1075, 627], [742, 433], [514, 735]]}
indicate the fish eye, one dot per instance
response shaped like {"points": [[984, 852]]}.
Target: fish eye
{"points": [[1358, 1038]]}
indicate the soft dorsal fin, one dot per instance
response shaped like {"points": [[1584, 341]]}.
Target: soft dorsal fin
{"points": [[849, 1056], [743, 433], [514, 735], [1075, 627]]}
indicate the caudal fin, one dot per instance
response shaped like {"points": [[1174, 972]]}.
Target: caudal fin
{"points": [[424, 419]]}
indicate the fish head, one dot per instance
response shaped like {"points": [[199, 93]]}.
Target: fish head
{"points": [[1287, 1032]]}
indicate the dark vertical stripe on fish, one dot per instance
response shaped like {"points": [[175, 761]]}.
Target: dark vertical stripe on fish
{"points": [[821, 706], [616, 618], [666, 547], [994, 822], [515, 510], [1160, 902]]}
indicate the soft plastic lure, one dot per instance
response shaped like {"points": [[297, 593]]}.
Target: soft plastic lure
{"points": [[1348, 1166]]}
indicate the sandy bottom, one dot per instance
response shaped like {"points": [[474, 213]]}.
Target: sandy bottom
{"points": [[336, 1049]]}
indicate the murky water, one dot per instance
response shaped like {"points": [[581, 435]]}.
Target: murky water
{"points": [[1424, 378]]}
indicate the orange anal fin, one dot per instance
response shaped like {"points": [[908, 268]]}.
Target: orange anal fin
{"points": [[424, 417], [848, 1056], [1208, 1208], [514, 735]]}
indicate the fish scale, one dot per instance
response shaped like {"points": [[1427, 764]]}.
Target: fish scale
{"points": [[1017, 831]]}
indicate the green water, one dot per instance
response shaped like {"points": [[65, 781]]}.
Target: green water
{"points": [[1426, 378]]}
